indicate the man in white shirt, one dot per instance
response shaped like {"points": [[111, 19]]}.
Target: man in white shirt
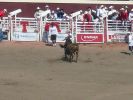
{"points": [[101, 12], [130, 17], [112, 12], [130, 43], [53, 33], [37, 12]]}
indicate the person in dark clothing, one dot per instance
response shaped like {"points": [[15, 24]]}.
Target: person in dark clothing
{"points": [[60, 13]]}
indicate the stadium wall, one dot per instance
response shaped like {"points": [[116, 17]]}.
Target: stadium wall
{"points": [[74, 1]]}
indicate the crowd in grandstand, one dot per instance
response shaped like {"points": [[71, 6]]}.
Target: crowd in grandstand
{"points": [[90, 14]]}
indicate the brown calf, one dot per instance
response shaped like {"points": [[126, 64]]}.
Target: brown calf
{"points": [[71, 50]]}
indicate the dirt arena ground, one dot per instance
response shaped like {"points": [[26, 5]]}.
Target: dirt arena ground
{"points": [[33, 71]]}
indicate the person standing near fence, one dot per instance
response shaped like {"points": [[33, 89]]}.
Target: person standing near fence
{"points": [[123, 16], [53, 33], [37, 12], [130, 43], [130, 18], [46, 32], [2, 14]]}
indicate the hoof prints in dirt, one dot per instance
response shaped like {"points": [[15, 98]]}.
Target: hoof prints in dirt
{"points": [[63, 59], [88, 60], [54, 60], [67, 60], [9, 82]]}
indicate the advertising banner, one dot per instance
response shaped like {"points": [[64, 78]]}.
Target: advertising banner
{"points": [[60, 37], [119, 38], [5, 35], [20, 36], [90, 38]]}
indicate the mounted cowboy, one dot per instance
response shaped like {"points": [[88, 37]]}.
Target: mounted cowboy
{"points": [[70, 49]]}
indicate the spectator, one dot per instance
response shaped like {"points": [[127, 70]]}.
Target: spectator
{"points": [[101, 12], [112, 13], [126, 13], [98, 11], [115, 15], [92, 12], [66, 16], [126, 9], [48, 8], [123, 16], [36, 14], [80, 16], [131, 15], [46, 32], [2, 14], [87, 17], [60, 13], [130, 18], [1, 34], [57, 12], [53, 15], [53, 33], [130, 43]]}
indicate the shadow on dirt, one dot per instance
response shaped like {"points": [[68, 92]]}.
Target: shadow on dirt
{"points": [[63, 59], [67, 60], [126, 53]]}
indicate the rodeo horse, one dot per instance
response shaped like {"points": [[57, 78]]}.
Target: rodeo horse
{"points": [[70, 49]]}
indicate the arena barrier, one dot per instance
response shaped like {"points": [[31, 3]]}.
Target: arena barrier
{"points": [[32, 29], [63, 27], [5, 28], [89, 32], [25, 29], [118, 30]]}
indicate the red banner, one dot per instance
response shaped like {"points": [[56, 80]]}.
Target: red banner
{"points": [[90, 38]]}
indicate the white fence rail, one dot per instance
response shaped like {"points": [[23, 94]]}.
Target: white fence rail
{"points": [[117, 30], [83, 32], [89, 32]]}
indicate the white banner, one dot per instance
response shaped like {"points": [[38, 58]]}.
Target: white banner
{"points": [[60, 37], [20, 36]]}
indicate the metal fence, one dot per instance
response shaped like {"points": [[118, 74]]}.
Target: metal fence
{"points": [[117, 30], [92, 32]]}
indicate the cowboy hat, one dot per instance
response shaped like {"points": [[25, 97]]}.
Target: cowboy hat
{"points": [[38, 8], [5, 10]]}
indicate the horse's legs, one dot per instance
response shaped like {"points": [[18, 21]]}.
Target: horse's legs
{"points": [[71, 57], [65, 52], [76, 56]]}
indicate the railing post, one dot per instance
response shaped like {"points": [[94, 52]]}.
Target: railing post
{"points": [[132, 26], [11, 31], [105, 30], [72, 26], [9, 26], [40, 28]]}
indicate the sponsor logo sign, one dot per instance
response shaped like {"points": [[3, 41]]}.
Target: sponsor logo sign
{"points": [[5, 35], [89, 38], [119, 37], [60, 37], [20, 36]]}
